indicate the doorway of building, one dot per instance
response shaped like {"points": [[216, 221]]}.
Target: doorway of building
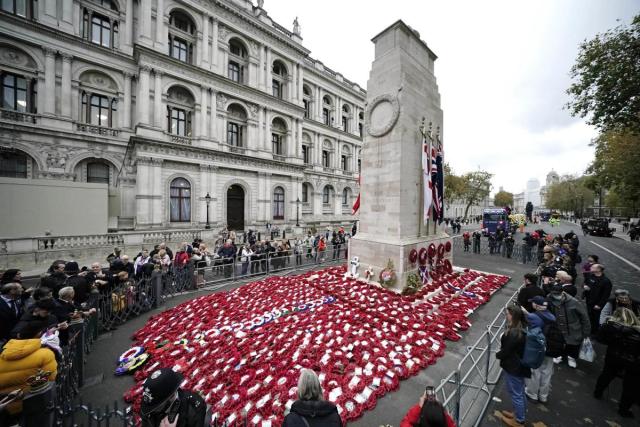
{"points": [[235, 208]]}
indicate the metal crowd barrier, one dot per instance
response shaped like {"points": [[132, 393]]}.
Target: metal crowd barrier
{"points": [[238, 267], [519, 252], [467, 391]]}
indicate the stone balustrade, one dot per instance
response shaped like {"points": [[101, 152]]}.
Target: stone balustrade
{"points": [[17, 116], [96, 130]]}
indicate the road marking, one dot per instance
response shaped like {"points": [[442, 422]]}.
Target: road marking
{"points": [[616, 255], [506, 270]]}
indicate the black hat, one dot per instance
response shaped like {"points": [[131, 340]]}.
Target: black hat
{"points": [[71, 267], [158, 388], [538, 300]]}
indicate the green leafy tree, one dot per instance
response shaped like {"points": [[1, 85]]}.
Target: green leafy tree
{"points": [[503, 198], [477, 186], [616, 166], [454, 186], [571, 194], [606, 75]]}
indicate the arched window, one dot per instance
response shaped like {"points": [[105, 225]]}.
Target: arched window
{"points": [[278, 203], [180, 106], [278, 79], [345, 117], [181, 36], [98, 172], [99, 100], [305, 192], [236, 123], [326, 154], [13, 164], [278, 136], [345, 158], [237, 61], [327, 195], [180, 200], [326, 110], [101, 26], [306, 100]]}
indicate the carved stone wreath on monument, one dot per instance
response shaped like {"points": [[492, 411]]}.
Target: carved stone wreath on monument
{"points": [[382, 115]]}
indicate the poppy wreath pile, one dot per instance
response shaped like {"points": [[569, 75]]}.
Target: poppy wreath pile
{"points": [[243, 349]]}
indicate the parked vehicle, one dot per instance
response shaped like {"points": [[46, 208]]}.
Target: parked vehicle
{"points": [[495, 218], [598, 227]]}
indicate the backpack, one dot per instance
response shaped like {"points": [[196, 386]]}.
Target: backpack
{"points": [[534, 348], [555, 339]]}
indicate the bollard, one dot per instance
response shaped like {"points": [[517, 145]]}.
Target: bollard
{"points": [[156, 286]]}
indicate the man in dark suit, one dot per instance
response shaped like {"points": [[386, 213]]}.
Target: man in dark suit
{"points": [[10, 308]]}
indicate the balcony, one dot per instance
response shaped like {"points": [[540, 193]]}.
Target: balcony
{"points": [[279, 157], [17, 116], [328, 170], [236, 149], [184, 140], [346, 172], [97, 130]]}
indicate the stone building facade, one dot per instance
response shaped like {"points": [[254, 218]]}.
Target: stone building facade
{"points": [[164, 102]]}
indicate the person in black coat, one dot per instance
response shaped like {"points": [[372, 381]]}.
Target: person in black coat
{"points": [[10, 309], [597, 291], [511, 352], [530, 290], [621, 334], [33, 323], [310, 410], [79, 283]]}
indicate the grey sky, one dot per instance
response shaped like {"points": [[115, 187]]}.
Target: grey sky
{"points": [[502, 70]]}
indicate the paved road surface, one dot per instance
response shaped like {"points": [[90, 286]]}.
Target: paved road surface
{"points": [[571, 402]]}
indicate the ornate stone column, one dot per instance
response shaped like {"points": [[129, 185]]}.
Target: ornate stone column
{"points": [[158, 211], [205, 41], [261, 73], [267, 82], [142, 99], [203, 115], [65, 87], [300, 83], [161, 35], [144, 20], [49, 81], [214, 116], [126, 108], [158, 116], [214, 45], [128, 23]]}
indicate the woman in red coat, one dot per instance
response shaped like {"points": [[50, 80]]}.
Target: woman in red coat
{"points": [[428, 412]]}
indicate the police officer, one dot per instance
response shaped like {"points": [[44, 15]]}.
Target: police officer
{"points": [[165, 404]]}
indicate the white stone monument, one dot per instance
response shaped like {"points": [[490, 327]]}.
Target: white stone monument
{"points": [[401, 91]]}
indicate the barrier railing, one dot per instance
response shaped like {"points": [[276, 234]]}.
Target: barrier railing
{"points": [[238, 267], [466, 392], [518, 252]]}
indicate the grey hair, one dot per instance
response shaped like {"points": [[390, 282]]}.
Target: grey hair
{"points": [[65, 292], [309, 386]]}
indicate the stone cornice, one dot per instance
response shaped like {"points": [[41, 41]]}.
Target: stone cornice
{"points": [[227, 11], [191, 154], [200, 76]]}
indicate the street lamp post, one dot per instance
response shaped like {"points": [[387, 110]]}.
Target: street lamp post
{"points": [[298, 212], [207, 199]]}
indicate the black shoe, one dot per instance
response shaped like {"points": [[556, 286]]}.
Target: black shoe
{"points": [[625, 413]]}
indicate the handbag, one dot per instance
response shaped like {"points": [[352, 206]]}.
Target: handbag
{"points": [[587, 353]]}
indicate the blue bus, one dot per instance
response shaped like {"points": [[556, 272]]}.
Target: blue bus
{"points": [[495, 218]]}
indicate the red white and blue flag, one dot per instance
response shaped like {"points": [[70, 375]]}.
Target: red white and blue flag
{"points": [[356, 204], [427, 177]]}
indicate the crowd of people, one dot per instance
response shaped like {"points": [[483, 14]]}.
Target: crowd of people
{"points": [[568, 310]]}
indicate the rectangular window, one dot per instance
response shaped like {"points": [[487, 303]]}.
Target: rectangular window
{"points": [[99, 110], [13, 165], [276, 141], [179, 49], [305, 194], [325, 158], [234, 71], [359, 165], [178, 122], [345, 198], [325, 196], [345, 124], [325, 116], [307, 112], [276, 88], [100, 31], [17, 7], [305, 154], [14, 93], [360, 129], [234, 136], [343, 163], [98, 173]]}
